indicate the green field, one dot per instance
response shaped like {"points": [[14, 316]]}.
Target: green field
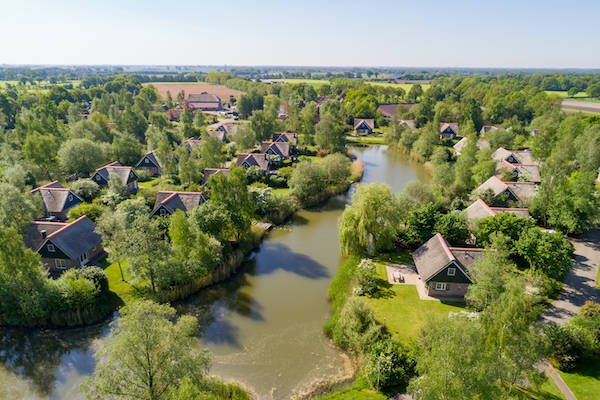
{"points": [[584, 381], [319, 82], [563, 94]]}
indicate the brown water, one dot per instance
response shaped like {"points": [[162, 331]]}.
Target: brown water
{"points": [[263, 326]]}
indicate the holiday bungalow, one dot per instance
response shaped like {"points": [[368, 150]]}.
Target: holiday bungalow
{"points": [[479, 210], [363, 126], [126, 174], [521, 172], [448, 130], [289, 137], [167, 202], [260, 160], [150, 163], [513, 156], [281, 149], [208, 172], [481, 144], [488, 128], [64, 245], [445, 270], [515, 191], [57, 200]]}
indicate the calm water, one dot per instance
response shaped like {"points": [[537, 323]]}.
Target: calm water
{"points": [[263, 326]]}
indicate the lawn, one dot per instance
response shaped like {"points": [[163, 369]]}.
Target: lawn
{"points": [[584, 381], [281, 190], [124, 291], [401, 310], [359, 391]]}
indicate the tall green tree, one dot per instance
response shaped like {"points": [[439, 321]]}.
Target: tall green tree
{"points": [[41, 150], [17, 209], [146, 355], [80, 156], [370, 224], [329, 134]]}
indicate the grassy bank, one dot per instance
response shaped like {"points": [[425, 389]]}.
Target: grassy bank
{"points": [[584, 380]]}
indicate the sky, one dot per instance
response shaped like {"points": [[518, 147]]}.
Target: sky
{"points": [[424, 33]]}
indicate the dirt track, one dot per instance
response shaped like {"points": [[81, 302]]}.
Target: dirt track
{"points": [[581, 105]]}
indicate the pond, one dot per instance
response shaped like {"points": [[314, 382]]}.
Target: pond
{"points": [[263, 326]]}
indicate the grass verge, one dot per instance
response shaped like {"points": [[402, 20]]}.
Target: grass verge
{"points": [[584, 380]]}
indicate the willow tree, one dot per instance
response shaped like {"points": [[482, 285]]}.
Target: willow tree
{"points": [[370, 223]]}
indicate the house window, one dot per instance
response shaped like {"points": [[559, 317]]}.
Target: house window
{"points": [[50, 247], [441, 286], [60, 263], [83, 257], [70, 197], [97, 177], [451, 271], [163, 211]]}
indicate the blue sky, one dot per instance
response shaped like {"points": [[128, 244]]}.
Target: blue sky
{"points": [[526, 33]]}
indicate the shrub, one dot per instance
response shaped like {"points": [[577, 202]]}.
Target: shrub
{"points": [[356, 329], [76, 292], [93, 211], [96, 275], [86, 189], [366, 277], [277, 181], [144, 175], [389, 365], [569, 344]]}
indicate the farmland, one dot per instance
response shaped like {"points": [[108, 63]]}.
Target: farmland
{"points": [[195, 88], [318, 82]]}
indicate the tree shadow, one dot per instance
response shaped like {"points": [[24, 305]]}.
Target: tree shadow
{"points": [[278, 256], [384, 290]]}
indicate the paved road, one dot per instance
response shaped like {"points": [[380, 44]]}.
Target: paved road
{"points": [[580, 284]]}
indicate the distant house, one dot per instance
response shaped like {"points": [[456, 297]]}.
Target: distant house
{"points": [[481, 144], [479, 210], [204, 102], [173, 115], [523, 172], [281, 149], [64, 245], [127, 175], [488, 128], [445, 269], [57, 200], [167, 202], [208, 172], [192, 143], [364, 126], [513, 156], [408, 122], [229, 129], [150, 162], [516, 191], [448, 130], [390, 110], [246, 161], [221, 136], [289, 137]]}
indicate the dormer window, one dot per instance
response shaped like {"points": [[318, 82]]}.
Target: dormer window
{"points": [[51, 248]]}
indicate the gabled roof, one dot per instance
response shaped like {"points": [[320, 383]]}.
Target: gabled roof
{"points": [[152, 158], [520, 156], [408, 122], [173, 200], [36, 230], [203, 97], [451, 125], [260, 160], [524, 191], [55, 197], [74, 238], [290, 137], [281, 149], [531, 171], [481, 144], [435, 255], [127, 174], [488, 128], [370, 122], [219, 135], [208, 172], [230, 129], [479, 210], [192, 143], [495, 184]]}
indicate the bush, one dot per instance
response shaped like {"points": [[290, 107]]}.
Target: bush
{"points": [[366, 277], [255, 174], [86, 189], [76, 292], [569, 344], [144, 175], [389, 366], [356, 329], [277, 181], [93, 211], [96, 275]]}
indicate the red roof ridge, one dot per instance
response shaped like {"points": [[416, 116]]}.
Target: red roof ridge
{"points": [[44, 186], [504, 183], [169, 197], [48, 223], [521, 183], [178, 191], [510, 208], [445, 246], [66, 226], [486, 206]]}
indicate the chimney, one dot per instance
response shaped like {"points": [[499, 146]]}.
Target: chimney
{"points": [[43, 233]]}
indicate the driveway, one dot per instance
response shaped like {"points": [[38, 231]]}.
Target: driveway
{"points": [[580, 284]]}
